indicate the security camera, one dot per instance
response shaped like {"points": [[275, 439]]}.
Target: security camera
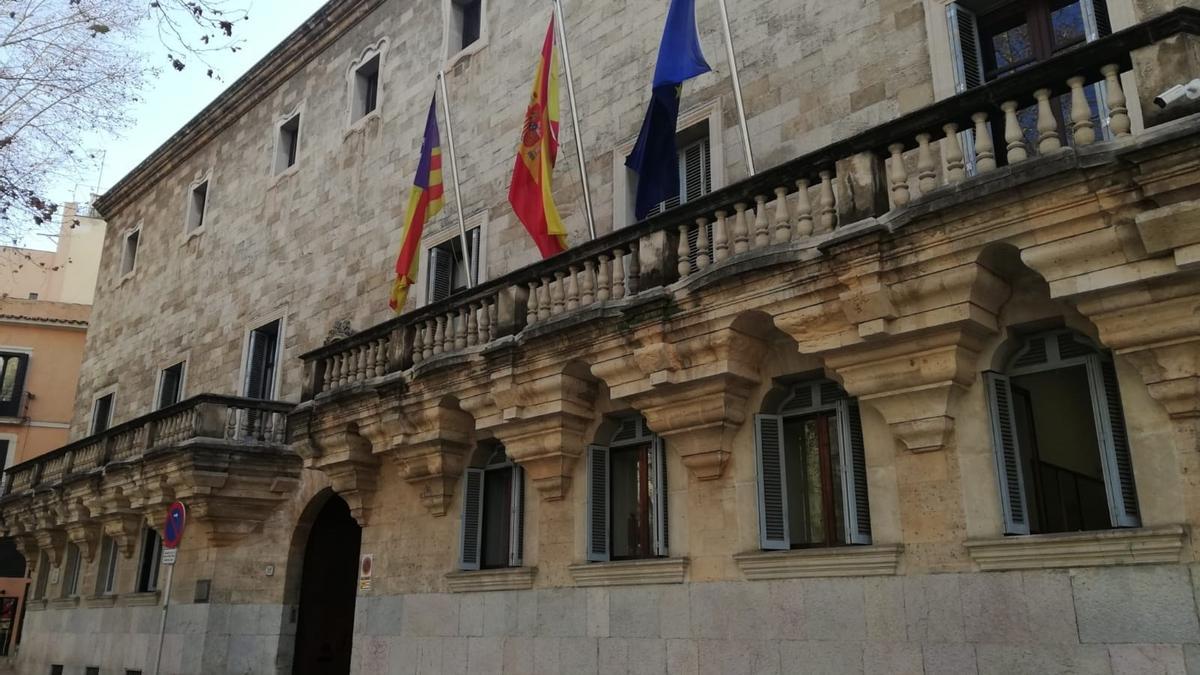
{"points": [[1190, 90]]}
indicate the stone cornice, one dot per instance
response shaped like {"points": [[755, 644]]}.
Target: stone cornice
{"points": [[308, 41], [1160, 545]]}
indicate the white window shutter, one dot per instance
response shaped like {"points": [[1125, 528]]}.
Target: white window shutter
{"points": [[1008, 453], [857, 511], [473, 254], [965, 52], [598, 513], [1113, 439], [255, 364], [695, 171], [472, 520], [441, 274], [516, 547], [772, 482], [662, 544]]}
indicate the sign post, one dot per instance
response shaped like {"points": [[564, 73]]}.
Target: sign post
{"points": [[172, 535]]}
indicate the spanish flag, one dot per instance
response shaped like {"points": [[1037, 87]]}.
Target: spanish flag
{"points": [[531, 193], [424, 202]]}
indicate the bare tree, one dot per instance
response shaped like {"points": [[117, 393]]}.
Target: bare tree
{"points": [[71, 68]]}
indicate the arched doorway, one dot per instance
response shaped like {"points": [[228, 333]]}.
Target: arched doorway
{"points": [[325, 631]]}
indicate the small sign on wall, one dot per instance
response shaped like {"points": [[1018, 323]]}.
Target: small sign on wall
{"points": [[366, 566]]}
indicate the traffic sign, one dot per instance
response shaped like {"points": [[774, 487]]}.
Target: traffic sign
{"points": [[168, 556], [176, 520]]}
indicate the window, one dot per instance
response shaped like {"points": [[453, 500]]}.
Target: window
{"points": [[812, 475], [70, 582], [92, 670], [197, 206], [466, 24], [627, 494], [12, 383], [262, 357], [695, 167], [129, 253], [56, 670], [170, 386], [33, 296], [1058, 430], [990, 41], [102, 413], [12, 563], [107, 575], [149, 560], [287, 143], [366, 88], [493, 520], [448, 267], [43, 576]]}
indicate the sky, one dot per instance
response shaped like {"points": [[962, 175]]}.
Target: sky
{"points": [[171, 99]]}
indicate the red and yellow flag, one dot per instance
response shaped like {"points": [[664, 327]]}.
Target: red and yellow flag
{"points": [[424, 202], [531, 193]]}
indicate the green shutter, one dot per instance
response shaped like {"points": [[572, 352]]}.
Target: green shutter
{"points": [[1113, 439], [1008, 453], [597, 504], [472, 520], [772, 482]]}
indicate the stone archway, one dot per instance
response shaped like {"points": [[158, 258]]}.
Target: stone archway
{"points": [[327, 593]]}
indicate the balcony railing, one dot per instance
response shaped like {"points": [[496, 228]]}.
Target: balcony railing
{"points": [[202, 418], [882, 170]]}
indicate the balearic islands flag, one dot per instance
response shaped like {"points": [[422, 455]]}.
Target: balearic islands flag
{"points": [[655, 156], [531, 193], [424, 202]]}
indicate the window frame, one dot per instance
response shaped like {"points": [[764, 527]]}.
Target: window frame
{"points": [[72, 570], [453, 50], [149, 560], [111, 394], [106, 573], [279, 316], [449, 231], [623, 432], [286, 157], [129, 259], [15, 408], [356, 113], [158, 390], [474, 521], [195, 223], [41, 580]]}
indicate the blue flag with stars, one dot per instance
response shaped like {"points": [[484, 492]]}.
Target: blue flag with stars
{"points": [[655, 157]]}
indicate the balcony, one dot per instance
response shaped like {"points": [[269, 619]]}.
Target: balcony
{"points": [[226, 457]]}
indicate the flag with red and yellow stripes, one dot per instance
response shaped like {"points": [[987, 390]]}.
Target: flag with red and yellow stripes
{"points": [[531, 193], [424, 202]]}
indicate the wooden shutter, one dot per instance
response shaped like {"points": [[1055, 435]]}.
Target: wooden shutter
{"points": [[772, 482], [598, 514], [857, 508], [1008, 453], [1113, 439], [695, 171], [662, 544], [473, 254], [472, 520], [965, 53], [441, 275], [255, 364], [516, 547]]}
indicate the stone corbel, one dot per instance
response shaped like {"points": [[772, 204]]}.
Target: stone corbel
{"points": [[432, 452], [54, 543], [698, 419], [27, 544], [345, 457], [124, 528], [85, 535]]}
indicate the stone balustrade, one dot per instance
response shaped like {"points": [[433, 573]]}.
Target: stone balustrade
{"points": [[206, 417], [1067, 103]]}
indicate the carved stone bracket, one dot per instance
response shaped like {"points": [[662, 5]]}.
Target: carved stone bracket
{"points": [[124, 528], [54, 543], [432, 451], [85, 535], [344, 455], [698, 419]]}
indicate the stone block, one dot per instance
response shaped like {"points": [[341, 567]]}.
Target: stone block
{"points": [[683, 657], [1135, 604], [835, 609], [883, 599], [613, 655], [1007, 659], [429, 654], [894, 658], [545, 656], [1147, 659], [933, 608], [470, 615], [597, 612], [674, 612], [486, 655], [949, 659], [500, 613], [634, 612], [788, 609], [578, 655], [384, 616], [518, 655], [561, 612], [739, 657], [821, 658], [430, 615], [454, 656]]}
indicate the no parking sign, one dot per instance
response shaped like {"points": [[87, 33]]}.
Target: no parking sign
{"points": [[173, 531]]}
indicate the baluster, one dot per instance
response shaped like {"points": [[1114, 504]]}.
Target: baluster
{"points": [[762, 228], [339, 370], [418, 354], [556, 294], [720, 238], [544, 300], [804, 217], [573, 287], [381, 357], [985, 150], [741, 230], [484, 322], [360, 372], [587, 289], [683, 251], [430, 339], [703, 259], [1047, 123], [439, 335], [952, 147], [460, 329], [926, 169], [602, 280], [491, 321], [327, 376], [898, 175], [633, 274], [1013, 136], [783, 219], [473, 325], [531, 305], [1082, 129], [618, 274], [828, 203], [451, 332], [1118, 114]]}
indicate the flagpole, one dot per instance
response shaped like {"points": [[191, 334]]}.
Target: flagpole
{"points": [[583, 177], [737, 87], [468, 254]]}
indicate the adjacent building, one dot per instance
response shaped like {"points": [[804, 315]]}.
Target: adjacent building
{"points": [[918, 396]]}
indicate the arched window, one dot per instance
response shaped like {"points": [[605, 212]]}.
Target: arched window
{"points": [[812, 475], [1062, 451], [493, 517], [627, 493]]}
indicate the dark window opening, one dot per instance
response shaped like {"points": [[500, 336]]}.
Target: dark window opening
{"points": [[12, 563], [129, 258], [198, 207], [366, 88], [170, 387], [261, 361], [102, 414], [70, 584], [627, 495], [289, 144], [469, 15], [493, 513], [448, 267], [107, 574], [497, 517], [43, 576], [813, 455], [33, 296], [12, 383], [695, 168], [149, 561], [631, 495]]}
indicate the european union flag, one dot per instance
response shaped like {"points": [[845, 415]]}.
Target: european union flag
{"points": [[655, 156]]}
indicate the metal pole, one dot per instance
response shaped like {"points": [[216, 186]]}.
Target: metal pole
{"points": [[468, 254], [583, 177], [737, 87], [162, 626]]}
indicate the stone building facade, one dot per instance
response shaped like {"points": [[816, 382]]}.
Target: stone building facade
{"points": [[920, 396]]}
